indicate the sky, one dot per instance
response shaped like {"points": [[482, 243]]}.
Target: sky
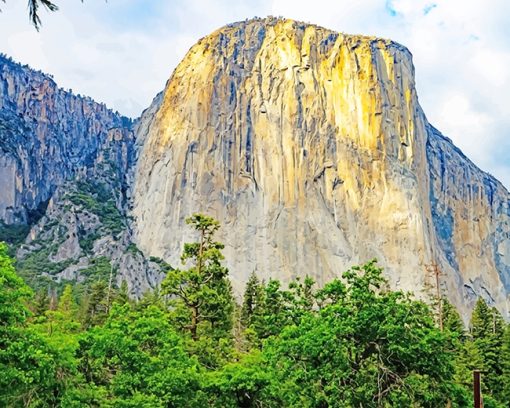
{"points": [[122, 52]]}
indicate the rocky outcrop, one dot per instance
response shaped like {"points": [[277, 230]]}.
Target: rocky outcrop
{"points": [[471, 218], [312, 150], [308, 145], [47, 136], [65, 169]]}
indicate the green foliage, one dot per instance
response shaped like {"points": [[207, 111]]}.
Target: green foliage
{"points": [[202, 295], [34, 371], [487, 329], [38, 263], [367, 348], [96, 304], [244, 383], [99, 269], [97, 199], [86, 241], [252, 301], [13, 293], [352, 343], [13, 234], [133, 249], [137, 359], [505, 364]]}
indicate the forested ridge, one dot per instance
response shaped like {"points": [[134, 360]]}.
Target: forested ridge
{"points": [[351, 343]]}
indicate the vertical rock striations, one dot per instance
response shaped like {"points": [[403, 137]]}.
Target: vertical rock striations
{"points": [[47, 136], [312, 150], [65, 169]]}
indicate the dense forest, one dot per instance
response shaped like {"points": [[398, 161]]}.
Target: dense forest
{"points": [[351, 343]]}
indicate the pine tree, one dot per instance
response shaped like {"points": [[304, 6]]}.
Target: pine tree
{"points": [[122, 297], [252, 300], [96, 309], [41, 302], [487, 327], [452, 321], [202, 294], [66, 304], [273, 314], [505, 363]]}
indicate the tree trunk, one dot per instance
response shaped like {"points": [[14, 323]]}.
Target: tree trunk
{"points": [[194, 322]]}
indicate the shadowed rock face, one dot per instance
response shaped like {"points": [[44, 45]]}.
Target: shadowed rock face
{"points": [[48, 136], [311, 149], [65, 166]]}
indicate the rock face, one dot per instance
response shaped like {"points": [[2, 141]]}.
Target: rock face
{"points": [[47, 135], [309, 146], [312, 150], [65, 166]]}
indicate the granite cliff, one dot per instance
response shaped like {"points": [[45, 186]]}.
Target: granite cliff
{"points": [[312, 150], [65, 165], [308, 145]]}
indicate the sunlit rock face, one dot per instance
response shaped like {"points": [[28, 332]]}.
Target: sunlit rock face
{"points": [[311, 149]]}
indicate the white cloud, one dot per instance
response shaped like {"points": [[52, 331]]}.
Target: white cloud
{"points": [[122, 53]]}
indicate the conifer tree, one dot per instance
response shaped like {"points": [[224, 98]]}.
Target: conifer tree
{"points": [[66, 304], [505, 363], [452, 321], [122, 297], [487, 327], [202, 294], [96, 310], [41, 302], [252, 300]]}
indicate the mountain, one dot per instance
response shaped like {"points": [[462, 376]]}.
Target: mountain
{"points": [[65, 164], [309, 146], [312, 150]]}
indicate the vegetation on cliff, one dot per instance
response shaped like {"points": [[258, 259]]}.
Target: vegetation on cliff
{"points": [[351, 343]]}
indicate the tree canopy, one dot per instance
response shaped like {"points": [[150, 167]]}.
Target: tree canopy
{"points": [[351, 343]]}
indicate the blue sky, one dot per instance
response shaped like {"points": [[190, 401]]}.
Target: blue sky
{"points": [[121, 52]]}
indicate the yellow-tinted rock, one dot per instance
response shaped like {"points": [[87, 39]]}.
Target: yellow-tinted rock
{"points": [[310, 147]]}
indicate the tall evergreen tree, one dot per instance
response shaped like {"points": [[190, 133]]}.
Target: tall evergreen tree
{"points": [[452, 321], [122, 297], [487, 328], [41, 302], [96, 308], [66, 304], [202, 294], [505, 363], [252, 300]]}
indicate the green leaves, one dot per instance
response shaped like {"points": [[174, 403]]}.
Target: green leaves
{"points": [[352, 343], [13, 292], [138, 358], [201, 296], [366, 347]]}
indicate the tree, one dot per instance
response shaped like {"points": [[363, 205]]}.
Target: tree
{"points": [[136, 359], [66, 303], [41, 302], [487, 329], [252, 300], [122, 297], [13, 293], [365, 347], [34, 372], [452, 321], [505, 362], [246, 383], [202, 295], [273, 316], [97, 307]]}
